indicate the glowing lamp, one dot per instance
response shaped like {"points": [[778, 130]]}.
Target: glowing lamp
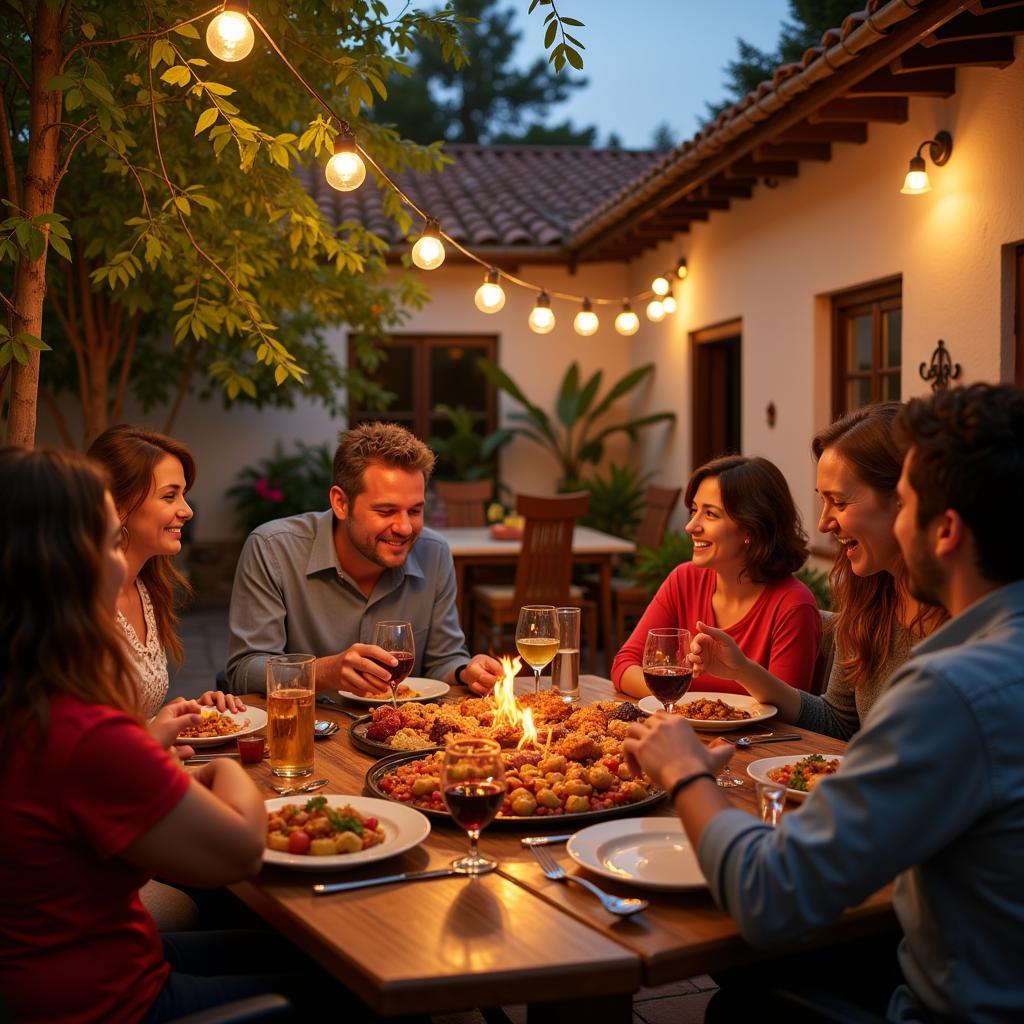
{"points": [[490, 296], [585, 321], [428, 252], [345, 170], [655, 311], [627, 322], [229, 36], [542, 320], [660, 285]]}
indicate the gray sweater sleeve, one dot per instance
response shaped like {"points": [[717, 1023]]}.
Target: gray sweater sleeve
{"points": [[834, 713]]}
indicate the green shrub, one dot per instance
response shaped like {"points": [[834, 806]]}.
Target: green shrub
{"points": [[817, 583], [616, 500], [653, 565], [283, 485]]}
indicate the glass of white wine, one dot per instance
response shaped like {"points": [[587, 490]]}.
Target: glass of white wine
{"points": [[537, 637]]}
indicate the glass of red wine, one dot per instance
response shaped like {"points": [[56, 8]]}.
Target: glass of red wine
{"points": [[473, 788], [667, 670], [397, 639]]}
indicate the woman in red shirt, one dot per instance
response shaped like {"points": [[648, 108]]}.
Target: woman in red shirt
{"points": [[747, 543], [92, 805]]}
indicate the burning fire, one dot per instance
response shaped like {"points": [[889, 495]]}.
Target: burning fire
{"points": [[506, 707]]}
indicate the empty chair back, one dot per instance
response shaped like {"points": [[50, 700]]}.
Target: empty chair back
{"points": [[465, 500], [544, 570], [660, 503]]}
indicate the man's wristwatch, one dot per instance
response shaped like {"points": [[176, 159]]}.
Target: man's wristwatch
{"points": [[458, 674]]}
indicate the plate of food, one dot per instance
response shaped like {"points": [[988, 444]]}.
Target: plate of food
{"points": [[331, 832], [652, 853], [222, 726], [799, 774], [715, 712], [414, 688], [591, 788]]}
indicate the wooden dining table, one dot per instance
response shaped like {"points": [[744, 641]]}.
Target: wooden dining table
{"points": [[475, 547], [514, 936]]}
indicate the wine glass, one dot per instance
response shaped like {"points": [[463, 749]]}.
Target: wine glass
{"points": [[667, 670], [537, 637], [398, 640], [473, 788]]}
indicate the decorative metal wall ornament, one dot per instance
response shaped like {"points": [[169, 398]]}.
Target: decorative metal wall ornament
{"points": [[941, 370]]}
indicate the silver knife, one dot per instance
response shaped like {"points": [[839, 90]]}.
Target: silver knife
{"points": [[408, 876], [544, 840], [203, 758]]}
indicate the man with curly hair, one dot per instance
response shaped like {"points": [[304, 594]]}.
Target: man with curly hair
{"points": [[317, 582]]}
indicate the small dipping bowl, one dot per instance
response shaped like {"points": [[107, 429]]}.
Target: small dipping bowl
{"points": [[250, 748]]}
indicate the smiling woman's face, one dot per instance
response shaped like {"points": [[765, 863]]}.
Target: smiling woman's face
{"points": [[858, 516], [718, 541], [154, 528]]}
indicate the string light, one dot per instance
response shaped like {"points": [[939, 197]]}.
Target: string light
{"points": [[655, 311], [668, 304], [681, 270], [230, 36], [428, 252], [490, 296], [345, 171], [586, 322], [627, 322], [660, 285], [542, 320]]}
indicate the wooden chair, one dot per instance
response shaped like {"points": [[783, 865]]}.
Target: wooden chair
{"points": [[629, 600], [465, 500], [827, 654], [543, 572]]}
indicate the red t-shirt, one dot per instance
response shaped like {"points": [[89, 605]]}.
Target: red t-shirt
{"points": [[781, 632], [76, 944]]}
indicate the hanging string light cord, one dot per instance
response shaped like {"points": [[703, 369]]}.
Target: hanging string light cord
{"points": [[468, 253]]}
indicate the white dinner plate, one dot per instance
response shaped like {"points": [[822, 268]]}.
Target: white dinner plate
{"points": [[251, 720], [758, 771], [758, 712], [404, 827], [653, 853], [429, 689]]}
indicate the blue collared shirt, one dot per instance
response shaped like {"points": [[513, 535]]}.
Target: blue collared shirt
{"points": [[291, 596], [931, 793]]}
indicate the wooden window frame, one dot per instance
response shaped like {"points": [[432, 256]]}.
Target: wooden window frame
{"points": [[876, 299], [423, 415], [1018, 316], [724, 331]]}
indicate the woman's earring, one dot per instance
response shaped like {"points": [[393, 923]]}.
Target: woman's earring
{"points": [[747, 541], [125, 537]]}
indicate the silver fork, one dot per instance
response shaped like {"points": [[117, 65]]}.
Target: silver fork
{"points": [[613, 904]]}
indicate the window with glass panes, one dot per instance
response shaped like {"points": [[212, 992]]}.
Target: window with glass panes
{"points": [[424, 371], [867, 346]]}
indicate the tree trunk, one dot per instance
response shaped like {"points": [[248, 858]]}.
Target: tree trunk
{"points": [[40, 191]]}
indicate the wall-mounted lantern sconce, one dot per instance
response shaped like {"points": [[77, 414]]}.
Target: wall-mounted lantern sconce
{"points": [[916, 182]]}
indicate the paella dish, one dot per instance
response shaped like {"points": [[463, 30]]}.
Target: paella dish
{"points": [[805, 774], [704, 710], [315, 829], [213, 724]]}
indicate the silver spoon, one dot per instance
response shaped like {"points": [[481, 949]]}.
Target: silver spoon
{"points": [[305, 787], [768, 737], [322, 728]]}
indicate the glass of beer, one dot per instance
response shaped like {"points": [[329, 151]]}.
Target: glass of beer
{"points": [[537, 637], [291, 692]]}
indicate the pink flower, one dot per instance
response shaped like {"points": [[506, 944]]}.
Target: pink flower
{"points": [[266, 489]]}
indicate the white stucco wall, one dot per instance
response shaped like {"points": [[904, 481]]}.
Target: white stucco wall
{"points": [[774, 260]]}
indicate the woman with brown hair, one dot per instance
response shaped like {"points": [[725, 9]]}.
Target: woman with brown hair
{"points": [[877, 620], [150, 474], [92, 804], [747, 543]]}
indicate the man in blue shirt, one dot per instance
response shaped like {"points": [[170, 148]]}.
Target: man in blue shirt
{"points": [[318, 582], [931, 791]]}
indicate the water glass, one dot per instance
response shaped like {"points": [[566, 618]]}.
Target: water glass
{"points": [[771, 798], [291, 693], [565, 669]]}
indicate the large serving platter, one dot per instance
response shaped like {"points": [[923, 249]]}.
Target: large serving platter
{"points": [[404, 827], [511, 824], [378, 748], [758, 712]]}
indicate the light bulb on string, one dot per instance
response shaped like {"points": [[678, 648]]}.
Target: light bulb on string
{"points": [[428, 252], [682, 270], [490, 296], [660, 285], [585, 322], [655, 311], [345, 171], [627, 322], [229, 36], [542, 320], [668, 304]]}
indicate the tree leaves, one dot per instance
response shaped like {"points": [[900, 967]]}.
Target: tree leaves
{"points": [[206, 118]]}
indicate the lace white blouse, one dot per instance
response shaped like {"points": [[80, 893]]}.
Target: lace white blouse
{"points": [[150, 658]]}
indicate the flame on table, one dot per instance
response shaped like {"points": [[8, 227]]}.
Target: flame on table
{"points": [[506, 708]]}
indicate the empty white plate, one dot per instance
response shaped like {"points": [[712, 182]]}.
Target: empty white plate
{"points": [[652, 853]]}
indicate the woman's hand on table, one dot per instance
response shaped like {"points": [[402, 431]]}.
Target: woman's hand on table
{"points": [[715, 652], [221, 701], [481, 673], [666, 748], [165, 725]]}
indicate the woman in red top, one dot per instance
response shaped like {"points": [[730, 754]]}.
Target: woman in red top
{"points": [[747, 543], [92, 804]]}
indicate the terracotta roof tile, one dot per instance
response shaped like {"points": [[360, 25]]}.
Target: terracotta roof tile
{"points": [[495, 196]]}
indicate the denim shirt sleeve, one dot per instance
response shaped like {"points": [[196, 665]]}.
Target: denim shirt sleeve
{"points": [[910, 782]]}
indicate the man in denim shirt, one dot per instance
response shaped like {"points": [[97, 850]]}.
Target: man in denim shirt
{"points": [[931, 791]]}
